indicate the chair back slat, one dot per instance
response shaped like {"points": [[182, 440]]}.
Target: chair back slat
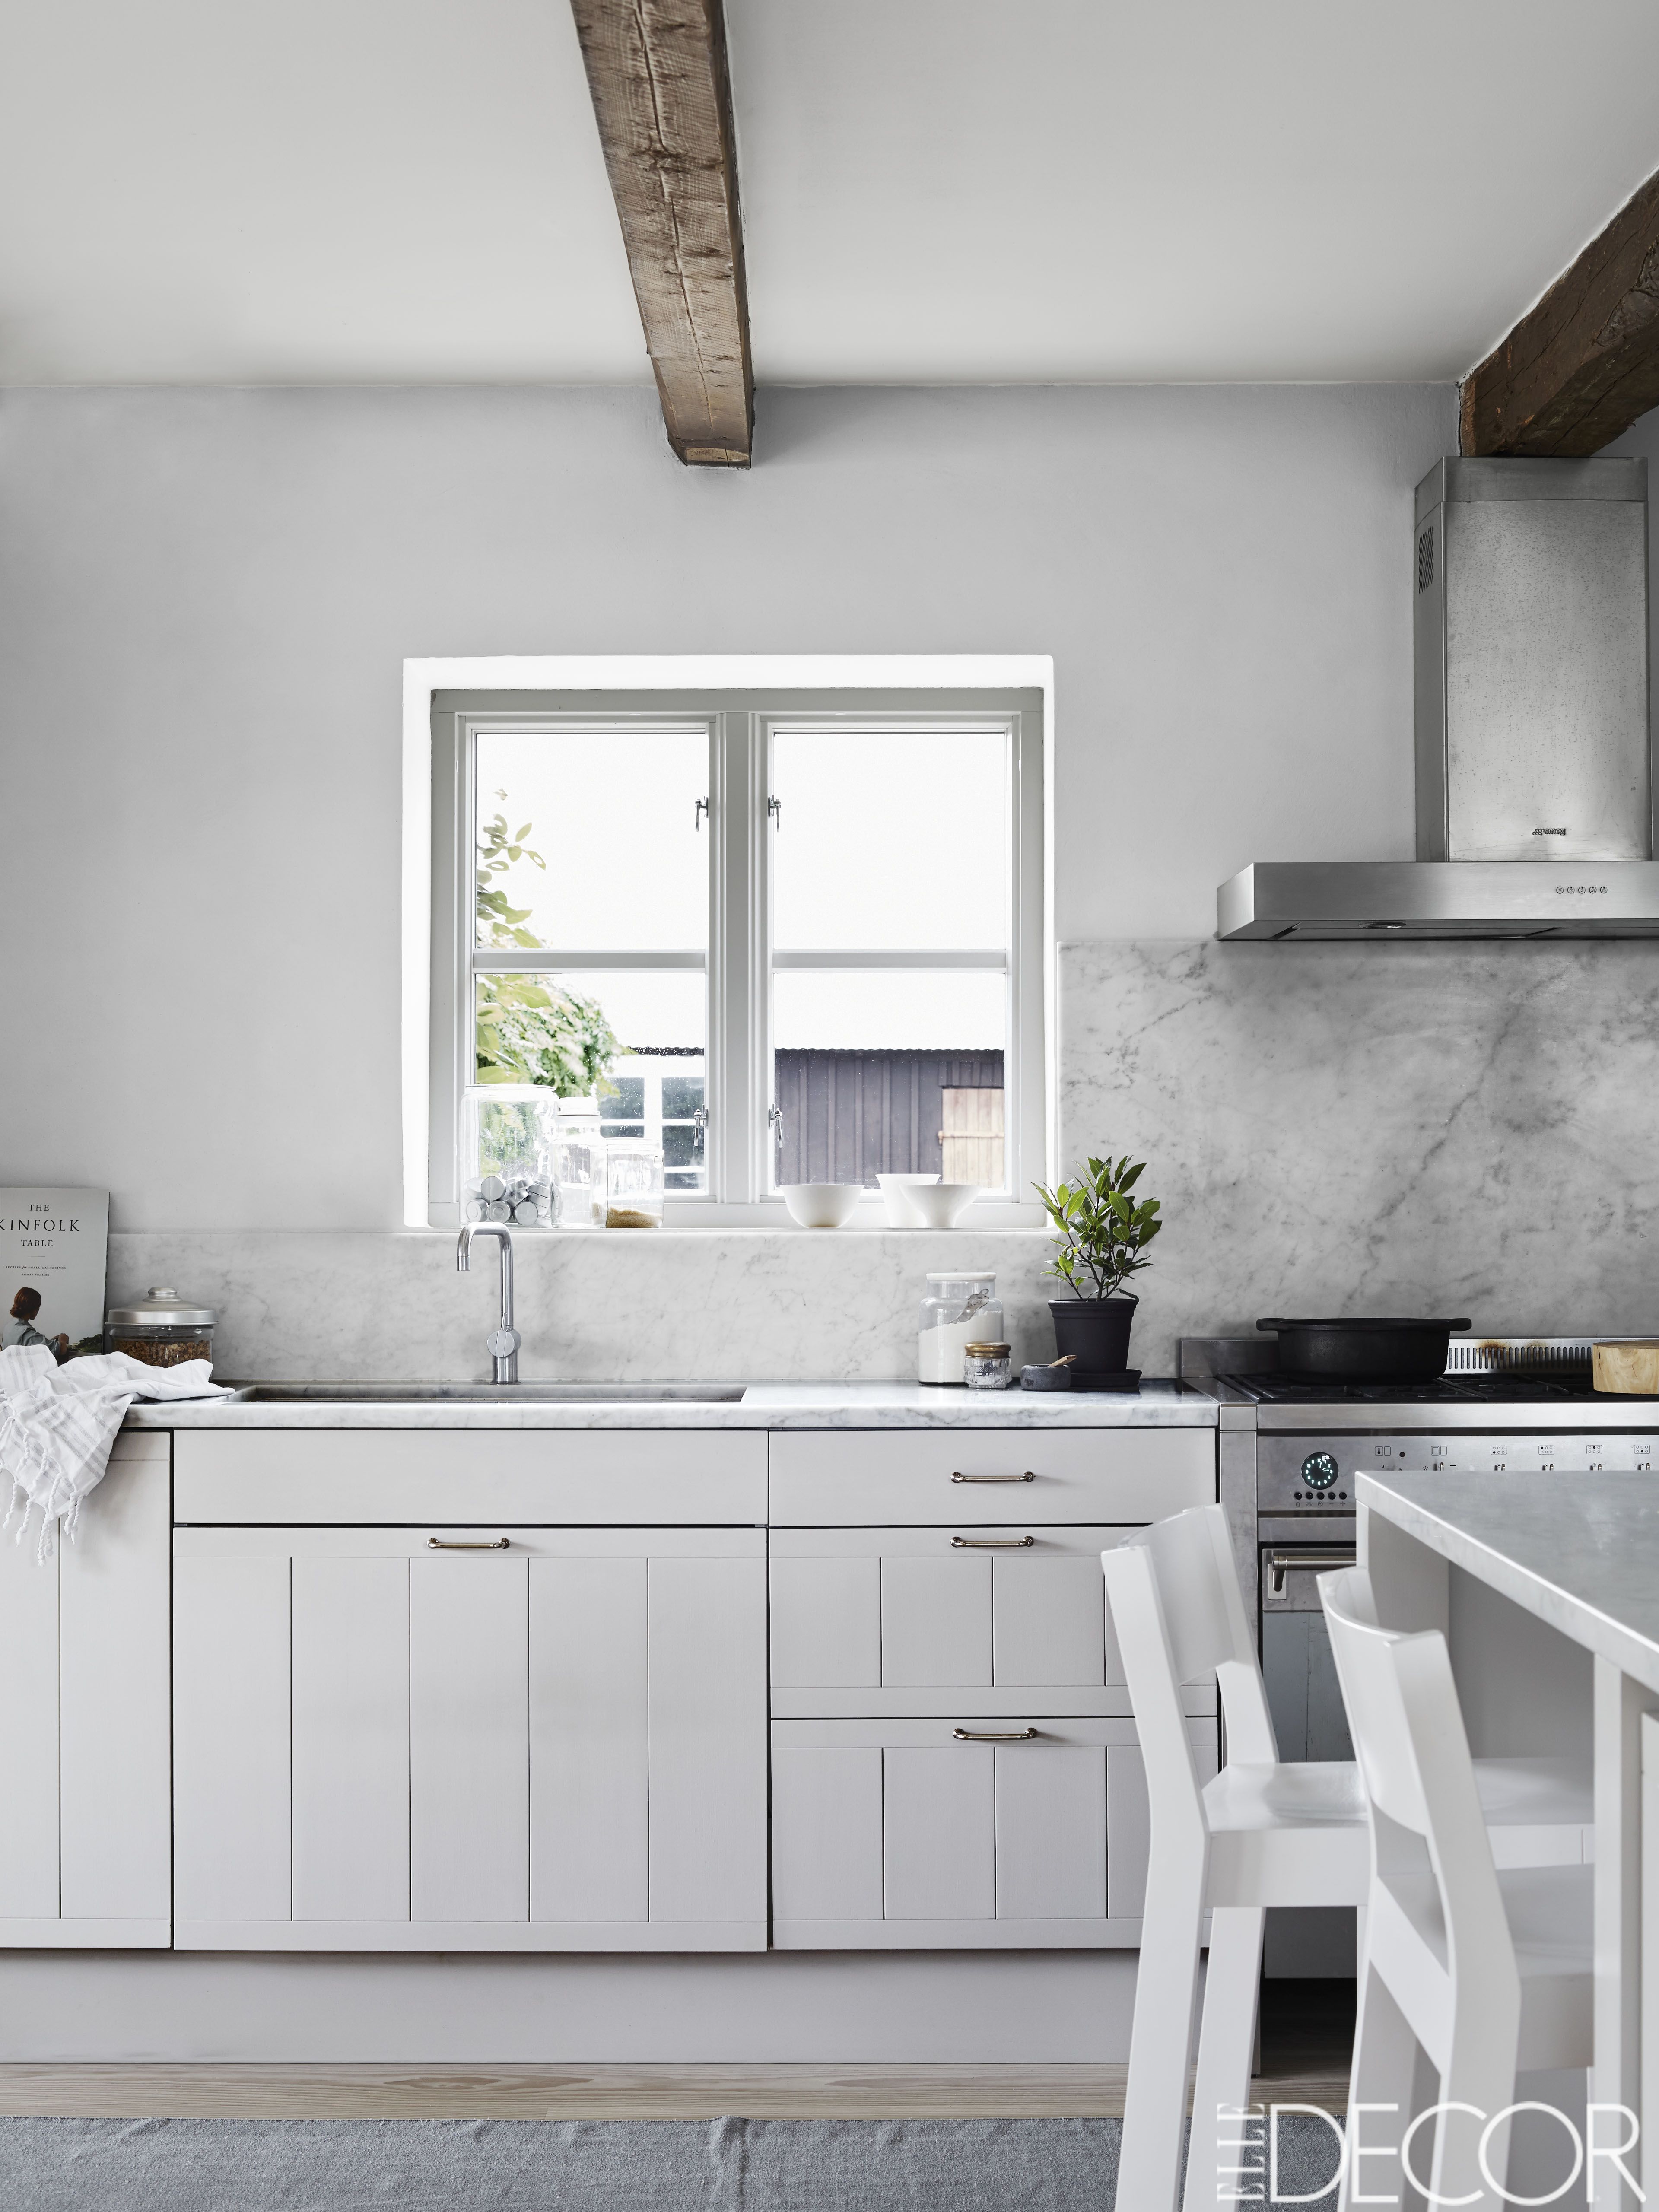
{"points": [[1208, 1629], [1364, 1657]]}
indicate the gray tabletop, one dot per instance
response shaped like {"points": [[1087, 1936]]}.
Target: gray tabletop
{"points": [[1579, 1550]]}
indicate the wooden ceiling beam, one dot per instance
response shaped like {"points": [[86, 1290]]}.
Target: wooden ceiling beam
{"points": [[657, 72], [1583, 364]]}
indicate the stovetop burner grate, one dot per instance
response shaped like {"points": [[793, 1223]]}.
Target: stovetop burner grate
{"points": [[1270, 1389]]}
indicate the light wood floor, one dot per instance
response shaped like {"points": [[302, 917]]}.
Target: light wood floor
{"points": [[599, 2092]]}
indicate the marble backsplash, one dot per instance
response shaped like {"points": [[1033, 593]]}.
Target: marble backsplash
{"points": [[775, 1306], [1392, 1128], [1385, 1128]]}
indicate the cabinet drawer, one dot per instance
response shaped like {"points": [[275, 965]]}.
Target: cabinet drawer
{"points": [[912, 1621], [302, 1477], [899, 1835], [831, 1478]]}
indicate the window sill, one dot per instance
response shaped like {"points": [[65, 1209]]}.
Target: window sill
{"points": [[691, 1217]]}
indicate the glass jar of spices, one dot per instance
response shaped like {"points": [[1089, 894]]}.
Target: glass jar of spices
{"points": [[988, 1366], [161, 1329]]}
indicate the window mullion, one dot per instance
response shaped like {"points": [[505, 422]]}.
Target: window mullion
{"points": [[737, 954]]}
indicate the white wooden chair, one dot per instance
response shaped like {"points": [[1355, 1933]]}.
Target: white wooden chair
{"points": [[1490, 1973], [1262, 1833]]}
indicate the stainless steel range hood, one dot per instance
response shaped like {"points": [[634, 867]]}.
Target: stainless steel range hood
{"points": [[1534, 797]]}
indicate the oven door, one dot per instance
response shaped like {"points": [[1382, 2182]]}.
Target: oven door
{"points": [[1310, 1723], [1303, 1695]]}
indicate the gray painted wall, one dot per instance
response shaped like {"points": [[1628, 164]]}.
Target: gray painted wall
{"points": [[205, 597]]}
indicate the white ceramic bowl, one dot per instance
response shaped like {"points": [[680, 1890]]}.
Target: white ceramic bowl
{"points": [[821, 1205], [896, 1197], [941, 1205]]}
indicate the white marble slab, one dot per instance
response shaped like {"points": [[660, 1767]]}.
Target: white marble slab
{"points": [[1385, 1129], [763, 1406], [700, 1305], [1579, 1550]]}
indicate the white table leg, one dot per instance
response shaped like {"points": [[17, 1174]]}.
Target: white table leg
{"points": [[1648, 2022], [1616, 2076]]}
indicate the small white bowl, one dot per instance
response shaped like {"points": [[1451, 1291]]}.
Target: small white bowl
{"points": [[941, 1205], [896, 1197], [821, 1205]]}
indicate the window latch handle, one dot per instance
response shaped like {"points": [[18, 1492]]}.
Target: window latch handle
{"points": [[699, 808], [775, 808]]}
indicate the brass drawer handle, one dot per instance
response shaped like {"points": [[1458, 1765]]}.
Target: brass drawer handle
{"points": [[994, 1736], [456, 1544], [1029, 1476], [992, 1543]]}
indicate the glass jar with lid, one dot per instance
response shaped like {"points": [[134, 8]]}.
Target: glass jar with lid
{"points": [[577, 1165], [988, 1366], [161, 1329], [958, 1309], [633, 1184]]}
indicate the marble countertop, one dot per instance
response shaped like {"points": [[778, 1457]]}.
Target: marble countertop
{"points": [[1157, 1404], [1579, 1550]]}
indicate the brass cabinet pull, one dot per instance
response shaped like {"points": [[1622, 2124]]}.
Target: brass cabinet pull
{"points": [[992, 1543], [994, 1736], [1029, 1476], [457, 1544]]}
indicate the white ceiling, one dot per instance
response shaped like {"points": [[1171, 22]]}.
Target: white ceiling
{"points": [[934, 190]]}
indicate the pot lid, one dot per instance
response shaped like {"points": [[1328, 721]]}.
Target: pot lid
{"points": [[1394, 1322], [161, 1307]]}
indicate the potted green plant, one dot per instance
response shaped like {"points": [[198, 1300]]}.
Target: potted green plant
{"points": [[1102, 1235]]}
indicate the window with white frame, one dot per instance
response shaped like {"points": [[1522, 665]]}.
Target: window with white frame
{"points": [[797, 939]]}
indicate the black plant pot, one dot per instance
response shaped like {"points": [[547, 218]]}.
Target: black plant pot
{"points": [[1095, 1331]]}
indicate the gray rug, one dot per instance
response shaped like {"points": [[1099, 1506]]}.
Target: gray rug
{"points": [[585, 2165]]}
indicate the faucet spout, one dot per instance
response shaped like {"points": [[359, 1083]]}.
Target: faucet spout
{"points": [[503, 1341]]}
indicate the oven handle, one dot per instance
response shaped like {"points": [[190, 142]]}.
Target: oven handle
{"points": [[1280, 1564]]}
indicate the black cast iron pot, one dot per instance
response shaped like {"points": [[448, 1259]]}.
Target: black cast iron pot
{"points": [[1364, 1350]]}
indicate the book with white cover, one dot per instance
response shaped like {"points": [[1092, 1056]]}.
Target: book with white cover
{"points": [[54, 1248]]}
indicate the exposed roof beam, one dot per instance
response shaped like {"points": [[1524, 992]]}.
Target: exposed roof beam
{"points": [[656, 71], [1579, 369]]}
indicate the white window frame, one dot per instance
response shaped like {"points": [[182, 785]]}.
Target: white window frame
{"points": [[741, 699]]}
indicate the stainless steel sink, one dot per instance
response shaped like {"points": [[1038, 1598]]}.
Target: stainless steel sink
{"points": [[492, 1393]]}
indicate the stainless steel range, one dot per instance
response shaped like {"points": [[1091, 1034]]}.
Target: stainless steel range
{"points": [[1289, 1454]]}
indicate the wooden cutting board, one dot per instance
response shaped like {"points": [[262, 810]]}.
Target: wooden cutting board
{"points": [[1630, 1365]]}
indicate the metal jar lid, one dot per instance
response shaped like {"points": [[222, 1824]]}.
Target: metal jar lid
{"points": [[161, 1307], [987, 1350]]}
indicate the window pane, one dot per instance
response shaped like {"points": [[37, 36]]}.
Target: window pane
{"points": [[877, 1074], [612, 818], [891, 840], [639, 1031]]}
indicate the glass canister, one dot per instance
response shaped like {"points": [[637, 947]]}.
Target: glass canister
{"points": [[988, 1366], [577, 1165], [958, 1309], [633, 1184], [161, 1329]]}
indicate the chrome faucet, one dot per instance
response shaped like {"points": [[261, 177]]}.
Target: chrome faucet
{"points": [[502, 1342]]}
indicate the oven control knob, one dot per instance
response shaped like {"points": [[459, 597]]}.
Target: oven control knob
{"points": [[1319, 1470]]}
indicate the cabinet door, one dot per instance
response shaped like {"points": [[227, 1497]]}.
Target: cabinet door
{"points": [[899, 1835], [85, 1841], [906, 1622], [554, 1742]]}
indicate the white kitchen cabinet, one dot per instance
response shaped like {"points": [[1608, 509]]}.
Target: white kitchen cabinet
{"points": [[897, 1835], [907, 1621], [555, 1745], [85, 1857]]}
